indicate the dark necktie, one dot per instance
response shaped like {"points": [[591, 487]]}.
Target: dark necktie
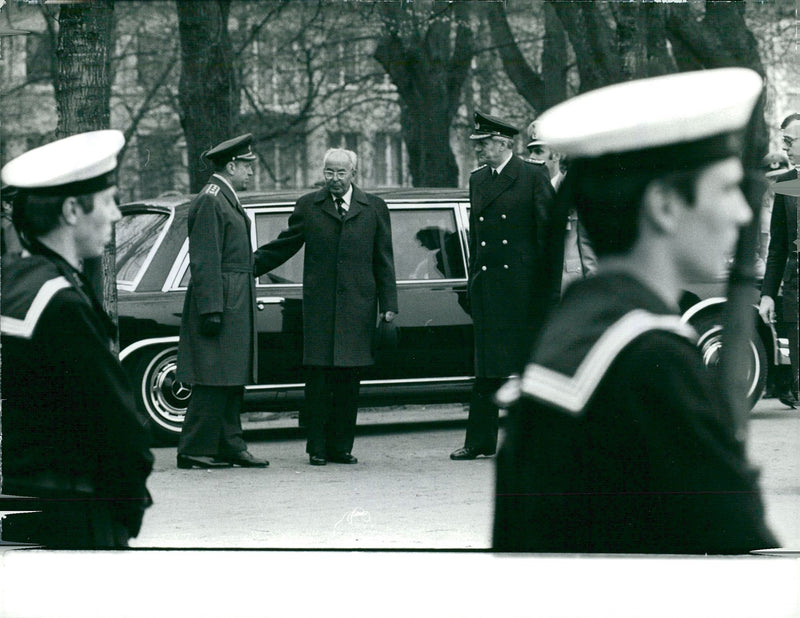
{"points": [[495, 174], [340, 207]]}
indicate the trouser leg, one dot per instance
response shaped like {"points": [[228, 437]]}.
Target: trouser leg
{"points": [[318, 405], [794, 353], [231, 440], [341, 430], [202, 426], [482, 423]]}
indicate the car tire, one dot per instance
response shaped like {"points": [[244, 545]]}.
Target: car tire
{"points": [[710, 331], [159, 395]]}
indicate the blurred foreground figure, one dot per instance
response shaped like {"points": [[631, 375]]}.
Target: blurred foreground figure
{"points": [[71, 432], [618, 440]]}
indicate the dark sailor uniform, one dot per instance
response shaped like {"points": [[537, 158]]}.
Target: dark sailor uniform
{"points": [[617, 438], [71, 432]]}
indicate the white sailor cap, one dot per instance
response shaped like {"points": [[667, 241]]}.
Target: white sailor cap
{"points": [[76, 165], [648, 114]]}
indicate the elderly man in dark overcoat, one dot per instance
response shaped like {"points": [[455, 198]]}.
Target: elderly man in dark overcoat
{"points": [[348, 275], [217, 348], [508, 282]]}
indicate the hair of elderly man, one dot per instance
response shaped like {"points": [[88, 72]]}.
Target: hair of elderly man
{"points": [[789, 120], [351, 156]]}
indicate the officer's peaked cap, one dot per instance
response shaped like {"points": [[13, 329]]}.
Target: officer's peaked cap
{"points": [[488, 126], [75, 165], [240, 147], [685, 119]]}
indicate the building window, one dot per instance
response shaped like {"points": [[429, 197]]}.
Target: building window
{"points": [[281, 163], [159, 162], [339, 139], [152, 58], [39, 54], [388, 161]]}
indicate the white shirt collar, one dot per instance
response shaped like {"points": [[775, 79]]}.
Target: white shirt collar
{"points": [[500, 167], [225, 180], [346, 198]]}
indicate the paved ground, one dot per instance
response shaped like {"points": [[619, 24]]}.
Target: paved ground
{"points": [[404, 493]]}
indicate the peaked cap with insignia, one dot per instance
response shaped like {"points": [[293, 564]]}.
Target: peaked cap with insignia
{"points": [[236, 148], [488, 126]]}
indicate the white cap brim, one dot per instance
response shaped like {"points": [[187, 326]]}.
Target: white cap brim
{"points": [[73, 159], [647, 113]]}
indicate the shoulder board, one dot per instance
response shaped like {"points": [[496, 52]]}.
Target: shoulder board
{"points": [[572, 393], [211, 189], [24, 327], [478, 168]]}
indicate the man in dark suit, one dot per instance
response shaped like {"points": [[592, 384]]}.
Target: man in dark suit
{"points": [[348, 273], [72, 435], [217, 348], [509, 286], [782, 258]]}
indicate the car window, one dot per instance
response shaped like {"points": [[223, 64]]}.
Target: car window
{"points": [[136, 236], [268, 226], [426, 244]]}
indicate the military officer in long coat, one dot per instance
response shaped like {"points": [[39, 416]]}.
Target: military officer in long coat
{"points": [[618, 437], [72, 435], [348, 275], [509, 283], [217, 348]]}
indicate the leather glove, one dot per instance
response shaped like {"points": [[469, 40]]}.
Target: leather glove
{"points": [[211, 324]]}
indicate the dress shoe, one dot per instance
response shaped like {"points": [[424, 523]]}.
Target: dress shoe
{"points": [[468, 452], [316, 460], [343, 458], [789, 399], [245, 459], [186, 462]]}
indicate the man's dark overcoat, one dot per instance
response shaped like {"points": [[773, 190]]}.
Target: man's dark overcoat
{"points": [[71, 431], [618, 438], [221, 263], [782, 255], [348, 271], [508, 227]]}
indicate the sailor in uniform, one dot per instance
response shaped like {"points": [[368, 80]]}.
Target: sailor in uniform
{"points": [[71, 433], [618, 439]]}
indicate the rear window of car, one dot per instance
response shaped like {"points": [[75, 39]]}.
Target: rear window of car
{"points": [[136, 240], [426, 244]]}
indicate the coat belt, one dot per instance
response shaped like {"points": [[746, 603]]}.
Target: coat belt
{"points": [[237, 268]]}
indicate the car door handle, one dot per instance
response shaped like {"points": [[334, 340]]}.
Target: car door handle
{"points": [[261, 301]]}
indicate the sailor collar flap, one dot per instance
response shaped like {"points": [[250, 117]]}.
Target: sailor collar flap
{"points": [[571, 393]]}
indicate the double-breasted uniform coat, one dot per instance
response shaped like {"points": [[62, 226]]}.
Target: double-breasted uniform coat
{"points": [[348, 274], [508, 227], [221, 264], [71, 432]]}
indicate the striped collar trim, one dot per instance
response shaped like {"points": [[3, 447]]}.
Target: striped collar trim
{"points": [[572, 393], [24, 328]]}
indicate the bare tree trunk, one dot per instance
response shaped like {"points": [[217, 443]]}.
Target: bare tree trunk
{"points": [[208, 92], [83, 93], [429, 66]]}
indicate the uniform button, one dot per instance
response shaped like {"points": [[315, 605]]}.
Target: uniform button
{"points": [[483, 268], [505, 266], [502, 216], [505, 242], [483, 243], [480, 218]]}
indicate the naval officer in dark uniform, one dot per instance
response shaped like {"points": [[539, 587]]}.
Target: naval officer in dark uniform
{"points": [[617, 440], [509, 285], [71, 433], [217, 348]]}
